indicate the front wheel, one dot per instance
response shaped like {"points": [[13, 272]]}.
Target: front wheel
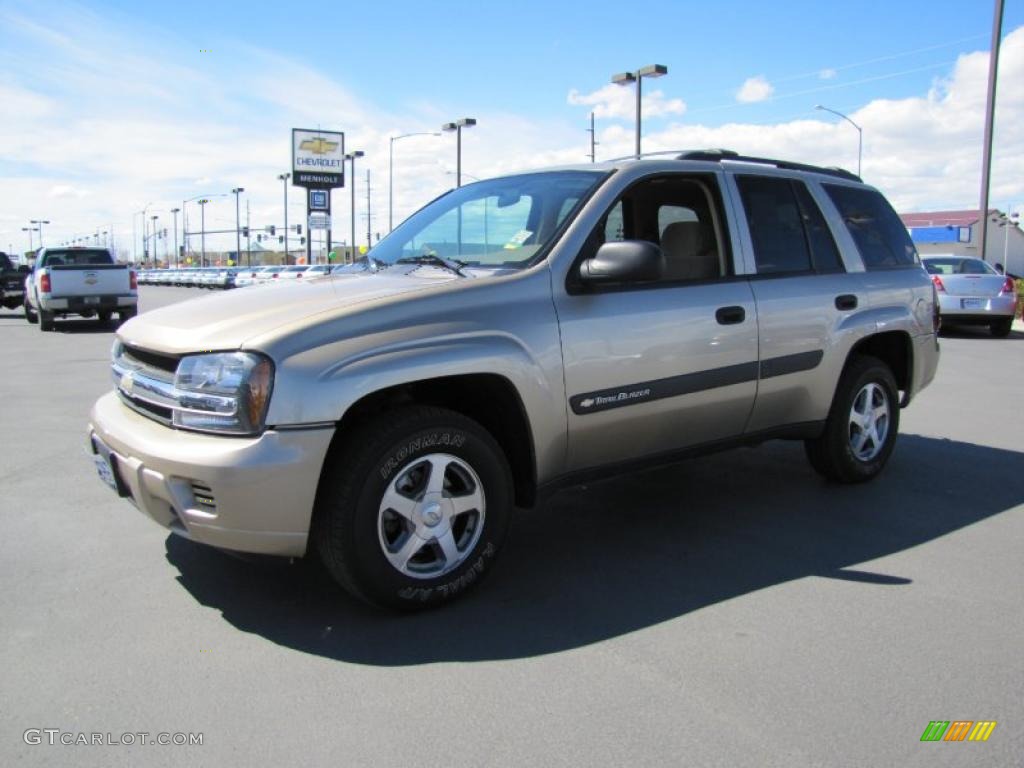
{"points": [[412, 512], [860, 432]]}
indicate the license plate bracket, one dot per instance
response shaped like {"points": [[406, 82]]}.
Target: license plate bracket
{"points": [[91, 300], [972, 303]]}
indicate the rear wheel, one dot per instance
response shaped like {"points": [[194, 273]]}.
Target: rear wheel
{"points": [[45, 321], [414, 511], [104, 317], [1001, 328], [126, 314], [30, 314], [862, 424]]}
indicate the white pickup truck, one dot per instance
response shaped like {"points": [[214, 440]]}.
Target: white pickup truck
{"points": [[79, 281]]}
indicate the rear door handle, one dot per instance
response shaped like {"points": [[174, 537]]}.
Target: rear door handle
{"points": [[846, 301], [730, 315]]}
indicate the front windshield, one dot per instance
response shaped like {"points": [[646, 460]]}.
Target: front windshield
{"points": [[500, 222]]}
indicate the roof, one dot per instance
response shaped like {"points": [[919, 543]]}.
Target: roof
{"points": [[943, 218]]}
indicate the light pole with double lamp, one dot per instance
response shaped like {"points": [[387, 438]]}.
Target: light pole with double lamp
{"points": [[30, 230], [174, 212], [626, 78], [154, 237], [202, 230], [860, 132], [351, 157], [39, 223], [457, 126], [391, 172], [238, 227], [284, 177]]}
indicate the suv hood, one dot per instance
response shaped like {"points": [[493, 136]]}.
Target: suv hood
{"points": [[226, 321]]}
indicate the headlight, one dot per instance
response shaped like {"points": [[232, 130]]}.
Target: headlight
{"points": [[223, 392]]}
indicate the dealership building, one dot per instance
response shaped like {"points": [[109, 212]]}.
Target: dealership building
{"points": [[959, 233]]}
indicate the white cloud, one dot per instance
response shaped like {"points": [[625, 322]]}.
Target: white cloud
{"points": [[754, 89], [617, 101], [68, 191], [827, 74]]}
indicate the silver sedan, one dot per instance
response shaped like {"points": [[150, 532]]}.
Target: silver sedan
{"points": [[971, 292]]}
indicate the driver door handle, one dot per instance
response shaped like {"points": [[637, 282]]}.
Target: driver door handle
{"points": [[730, 315]]}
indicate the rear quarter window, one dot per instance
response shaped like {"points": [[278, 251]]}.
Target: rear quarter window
{"points": [[879, 234]]}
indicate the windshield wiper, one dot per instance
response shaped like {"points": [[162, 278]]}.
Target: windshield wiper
{"points": [[452, 265]]}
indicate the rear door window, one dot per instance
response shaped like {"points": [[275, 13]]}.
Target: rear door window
{"points": [[776, 225], [880, 236]]}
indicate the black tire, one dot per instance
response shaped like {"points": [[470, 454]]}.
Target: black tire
{"points": [[124, 315], [349, 529], [30, 314], [1001, 328], [832, 454], [45, 321], [104, 317]]}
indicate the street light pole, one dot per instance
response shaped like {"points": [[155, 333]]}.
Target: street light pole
{"points": [[238, 232], [40, 223], [154, 237], [391, 172], [625, 78], [284, 177], [202, 230], [174, 211], [457, 126], [351, 157], [860, 132], [30, 230]]}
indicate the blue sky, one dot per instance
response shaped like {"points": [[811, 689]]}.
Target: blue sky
{"points": [[117, 104]]}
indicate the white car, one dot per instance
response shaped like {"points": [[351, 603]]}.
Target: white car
{"points": [[294, 272]]}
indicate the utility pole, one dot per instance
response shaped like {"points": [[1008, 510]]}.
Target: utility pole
{"points": [[990, 109], [593, 143], [369, 240], [248, 238]]}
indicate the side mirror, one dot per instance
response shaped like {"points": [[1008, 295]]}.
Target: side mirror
{"points": [[628, 261]]}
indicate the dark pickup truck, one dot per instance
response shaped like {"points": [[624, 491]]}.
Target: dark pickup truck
{"points": [[12, 282]]}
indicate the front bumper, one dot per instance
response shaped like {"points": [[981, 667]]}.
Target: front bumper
{"points": [[246, 494], [977, 309]]}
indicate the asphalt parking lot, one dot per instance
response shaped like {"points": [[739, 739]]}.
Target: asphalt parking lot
{"points": [[734, 610]]}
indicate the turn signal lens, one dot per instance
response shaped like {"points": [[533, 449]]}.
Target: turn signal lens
{"points": [[1008, 286], [44, 283], [938, 284], [133, 280]]}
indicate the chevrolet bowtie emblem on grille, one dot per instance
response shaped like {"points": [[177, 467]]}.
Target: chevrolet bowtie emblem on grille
{"points": [[127, 383], [319, 146]]}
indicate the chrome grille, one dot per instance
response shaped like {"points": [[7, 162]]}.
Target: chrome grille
{"points": [[145, 382]]}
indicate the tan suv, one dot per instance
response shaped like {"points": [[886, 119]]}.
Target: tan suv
{"points": [[512, 336]]}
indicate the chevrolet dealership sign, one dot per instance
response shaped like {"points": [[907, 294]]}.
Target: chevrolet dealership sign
{"points": [[318, 158]]}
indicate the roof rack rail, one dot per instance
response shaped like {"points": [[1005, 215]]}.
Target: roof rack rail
{"points": [[728, 155], [718, 155]]}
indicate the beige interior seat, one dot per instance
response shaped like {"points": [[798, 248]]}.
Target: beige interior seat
{"points": [[687, 255]]}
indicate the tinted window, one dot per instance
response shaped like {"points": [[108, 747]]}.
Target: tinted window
{"points": [[955, 266], [776, 225], [880, 236], [78, 256], [823, 248]]}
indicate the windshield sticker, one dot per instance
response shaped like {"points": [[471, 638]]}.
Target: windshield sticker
{"points": [[517, 240]]}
